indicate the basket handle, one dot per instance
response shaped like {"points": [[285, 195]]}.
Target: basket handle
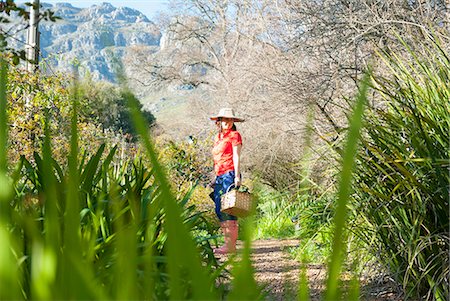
{"points": [[229, 187]]}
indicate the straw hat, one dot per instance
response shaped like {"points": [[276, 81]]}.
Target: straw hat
{"points": [[227, 113]]}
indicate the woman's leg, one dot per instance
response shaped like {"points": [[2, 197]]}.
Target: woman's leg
{"points": [[228, 223], [217, 196]]}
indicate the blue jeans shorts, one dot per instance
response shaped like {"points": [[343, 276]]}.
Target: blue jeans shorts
{"points": [[222, 183]]}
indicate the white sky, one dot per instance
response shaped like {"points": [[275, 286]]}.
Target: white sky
{"points": [[148, 7]]}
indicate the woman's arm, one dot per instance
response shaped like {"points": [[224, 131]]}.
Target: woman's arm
{"points": [[237, 164]]}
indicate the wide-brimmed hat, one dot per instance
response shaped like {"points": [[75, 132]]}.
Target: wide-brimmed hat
{"points": [[227, 113]]}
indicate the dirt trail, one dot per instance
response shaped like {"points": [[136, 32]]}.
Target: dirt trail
{"points": [[278, 273]]}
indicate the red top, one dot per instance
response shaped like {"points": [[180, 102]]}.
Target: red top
{"points": [[223, 151]]}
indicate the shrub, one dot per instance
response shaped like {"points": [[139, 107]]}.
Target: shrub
{"points": [[188, 165], [106, 104], [402, 189], [276, 212], [103, 116]]}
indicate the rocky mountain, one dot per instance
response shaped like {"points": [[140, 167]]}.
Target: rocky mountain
{"points": [[98, 38], [95, 38]]}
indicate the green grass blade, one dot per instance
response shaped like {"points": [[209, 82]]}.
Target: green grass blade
{"points": [[45, 254], [303, 289], [244, 283], [72, 244], [340, 218], [125, 278], [109, 158], [76, 276], [183, 258], [354, 288], [149, 256], [9, 272]]}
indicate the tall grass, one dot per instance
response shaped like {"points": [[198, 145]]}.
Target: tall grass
{"points": [[183, 259], [344, 191], [402, 175], [9, 273], [276, 213]]}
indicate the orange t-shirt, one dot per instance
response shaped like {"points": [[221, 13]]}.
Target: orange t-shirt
{"points": [[223, 151]]}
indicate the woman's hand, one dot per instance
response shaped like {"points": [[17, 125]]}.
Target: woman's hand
{"points": [[237, 182]]}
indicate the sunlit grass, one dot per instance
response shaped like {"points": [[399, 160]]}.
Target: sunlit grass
{"points": [[9, 272]]}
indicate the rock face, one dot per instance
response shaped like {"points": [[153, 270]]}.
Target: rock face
{"points": [[94, 39]]}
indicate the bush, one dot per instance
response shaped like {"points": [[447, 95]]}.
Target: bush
{"points": [[29, 97], [190, 165], [106, 104], [402, 190], [276, 212], [103, 118]]}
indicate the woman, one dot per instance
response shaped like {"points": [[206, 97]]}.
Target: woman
{"points": [[226, 155]]}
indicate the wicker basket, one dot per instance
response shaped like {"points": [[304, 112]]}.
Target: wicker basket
{"points": [[236, 203]]}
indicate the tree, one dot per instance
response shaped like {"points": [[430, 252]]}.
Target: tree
{"points": [[326, 47], [222, 49], [279, 61], [8, 11], [337, 40], [106, 104]]}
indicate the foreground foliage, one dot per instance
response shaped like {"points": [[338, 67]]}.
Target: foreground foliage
{"points": [[113, 200], [96, 228]]}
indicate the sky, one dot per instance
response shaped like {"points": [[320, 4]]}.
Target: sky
{"points": [[148, 7]]}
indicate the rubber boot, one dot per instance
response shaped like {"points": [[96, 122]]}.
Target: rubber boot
{"points": [[223, 249], [234, 229], [229, 230]]}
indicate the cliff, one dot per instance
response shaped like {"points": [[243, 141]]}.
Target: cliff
{"points": [[94, 38]]}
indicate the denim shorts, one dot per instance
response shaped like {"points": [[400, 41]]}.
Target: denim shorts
{"points": [[222, 183]]}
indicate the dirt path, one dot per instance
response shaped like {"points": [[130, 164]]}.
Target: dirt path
{"points": [[277, 272]]}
